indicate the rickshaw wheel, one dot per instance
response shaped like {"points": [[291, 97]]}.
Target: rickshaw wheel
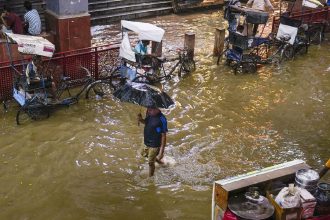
{"points": [[303, 49], [228, 62], [188, 66], [287, 53], [276, 61], [249, 67], [99, 90], [116, 80], [242, 68], [316, 37], [28, 113], [143, 79]]}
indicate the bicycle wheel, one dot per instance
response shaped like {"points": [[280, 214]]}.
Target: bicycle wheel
{"points": [[287, 53], [188, 66], [99, 90], [116, 80], [29, 113], [143, 79]]}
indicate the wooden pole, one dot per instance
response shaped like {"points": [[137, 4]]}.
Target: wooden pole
{"points": [[157, 48], [219, 41], [189, 44]]}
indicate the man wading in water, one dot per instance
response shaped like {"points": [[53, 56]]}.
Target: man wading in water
{"points": [[155, 128]]}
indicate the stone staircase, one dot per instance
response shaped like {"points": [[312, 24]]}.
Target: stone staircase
{"points": [[109, 11]]}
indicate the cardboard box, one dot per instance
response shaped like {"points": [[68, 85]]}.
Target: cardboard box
{"points": [[308, 203], [262, 178], [283, 213]]}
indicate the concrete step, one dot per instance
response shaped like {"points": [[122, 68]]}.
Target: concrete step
{"points": [[106, 19], [127, 8], [112, 3], [107, 3]]}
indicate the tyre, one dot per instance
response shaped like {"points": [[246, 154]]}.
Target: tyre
{"points": [[302, 49], [287, 53], [238, 68], [188, 66], [26, 114], [116, 80], [143, 79], [316, 37], [276, 61], [99, 90], [249, 67], [228, 62]]}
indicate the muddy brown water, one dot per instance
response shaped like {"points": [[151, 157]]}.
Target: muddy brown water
{"points": [[83, 163]]}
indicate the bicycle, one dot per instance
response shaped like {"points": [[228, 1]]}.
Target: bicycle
{"points": [[38, 105], [156, 72]]}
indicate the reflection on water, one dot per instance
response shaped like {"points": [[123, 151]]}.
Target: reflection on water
{"points": [[83, 163]]}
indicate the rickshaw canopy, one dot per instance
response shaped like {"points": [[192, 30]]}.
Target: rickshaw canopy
{"points": [[125, 50], [312, 3], [253, 16], [145, 31], [32, 44]]}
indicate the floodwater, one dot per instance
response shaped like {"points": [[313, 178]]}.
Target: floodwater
{"points": [[83, 163]]}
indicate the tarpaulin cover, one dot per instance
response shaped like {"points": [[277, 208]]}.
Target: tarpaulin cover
{"points": [[125, 50], [32, 45], [145, 31], [312, 3]]}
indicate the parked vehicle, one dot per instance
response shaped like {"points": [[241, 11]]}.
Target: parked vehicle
{"points": [[245, 51], [313, 15], [147, 68], [37, 101]]}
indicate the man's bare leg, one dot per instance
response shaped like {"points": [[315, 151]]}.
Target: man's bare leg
{"points": [[151, 169]]}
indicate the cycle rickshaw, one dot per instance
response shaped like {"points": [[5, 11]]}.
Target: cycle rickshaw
{"points": [[146, 68], [242, 52], [311, 13], [248, 50], [35, 99]]}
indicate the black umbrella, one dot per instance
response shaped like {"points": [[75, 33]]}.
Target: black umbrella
{"points": [[144, 95]]}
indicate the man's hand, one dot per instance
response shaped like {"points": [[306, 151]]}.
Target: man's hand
{"points": [[160, 156], [159, 159]]}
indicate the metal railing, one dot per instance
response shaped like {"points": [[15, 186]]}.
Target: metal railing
{"points": [[67, 64]]}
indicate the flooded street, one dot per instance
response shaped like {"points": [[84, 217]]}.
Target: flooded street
{"points": [[83, 162]]}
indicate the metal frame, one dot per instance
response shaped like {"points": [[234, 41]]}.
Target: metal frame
{"points": [[69, 61]]}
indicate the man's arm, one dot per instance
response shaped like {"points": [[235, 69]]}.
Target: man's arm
{"points": [[162, 147]]}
